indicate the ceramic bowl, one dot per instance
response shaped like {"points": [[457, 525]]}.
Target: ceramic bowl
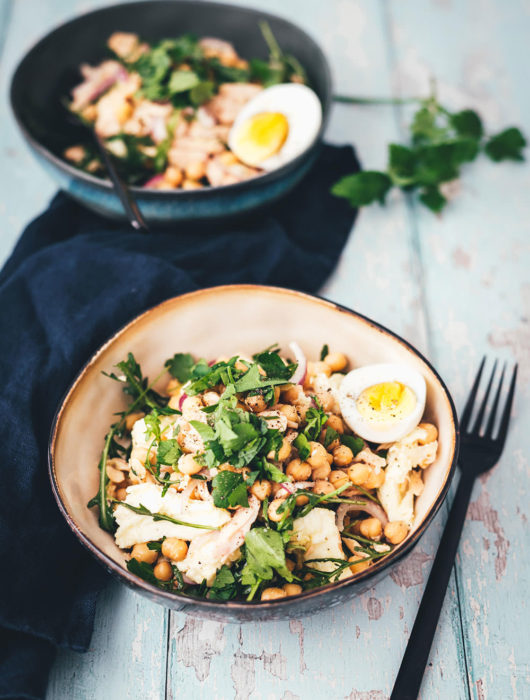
{"points": [[210, 323], [51, 68]]}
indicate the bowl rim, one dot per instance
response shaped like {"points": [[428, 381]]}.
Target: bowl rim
{"points": [[244, 606], [105, 184]]}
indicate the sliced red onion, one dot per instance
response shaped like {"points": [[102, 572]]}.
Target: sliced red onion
{"points": [[183, 397], [153, 181], [300, 372], [292, 487], [367, 507]]}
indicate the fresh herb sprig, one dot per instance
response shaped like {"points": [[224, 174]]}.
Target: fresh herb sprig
{"points": [[441, 143], [142, 510]]}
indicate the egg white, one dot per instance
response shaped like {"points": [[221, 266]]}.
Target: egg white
{"points": [[356, 381], [303, 111]]}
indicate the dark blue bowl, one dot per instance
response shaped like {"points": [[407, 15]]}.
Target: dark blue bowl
{"points": [[51, 68]]}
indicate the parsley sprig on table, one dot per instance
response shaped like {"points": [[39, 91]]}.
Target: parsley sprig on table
{"points": [[441, 143]]}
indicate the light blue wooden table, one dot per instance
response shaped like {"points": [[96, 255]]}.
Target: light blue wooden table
{"points": [[456, 286]]}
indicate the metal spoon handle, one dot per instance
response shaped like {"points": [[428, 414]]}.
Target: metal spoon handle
{"points": [[134, 214]]}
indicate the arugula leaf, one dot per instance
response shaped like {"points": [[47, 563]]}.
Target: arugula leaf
{"points": [[275, 474], [363, 188], [143, 570], [507, 145], [252, 379], [315, 420], [324, 352], [265, 554], [302, 445], [142, 510], [402, 164], [152, 423], [355, 444], [156, 546], [180, 366], [229, 489]]}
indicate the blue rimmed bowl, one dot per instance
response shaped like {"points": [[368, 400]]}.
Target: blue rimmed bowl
{"points": [[50, 69]]}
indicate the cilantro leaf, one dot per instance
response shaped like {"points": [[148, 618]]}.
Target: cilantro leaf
{"points": [[274, 366], [202, 92], [467, 123], [182, 80], [507, 145], [229, 489], [265, 554], [302, 445], [402, 164], [180, 366], [224, 587], [433, 198], [331, 436], [168, 452], [275, 474], [315, 419], [355, 444], [252, 379], [363, 188]]}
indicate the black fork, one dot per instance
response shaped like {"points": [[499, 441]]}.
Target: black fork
{"points": [[479, 452]]}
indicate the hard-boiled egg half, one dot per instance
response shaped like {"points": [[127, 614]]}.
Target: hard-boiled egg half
{"points": [[276, 126], [383, 402]]}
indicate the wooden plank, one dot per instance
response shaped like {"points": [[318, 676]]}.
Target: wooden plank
{"points": [[476, 258]]}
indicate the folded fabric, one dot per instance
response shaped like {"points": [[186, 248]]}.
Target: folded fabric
{"points": [[72, 280]]}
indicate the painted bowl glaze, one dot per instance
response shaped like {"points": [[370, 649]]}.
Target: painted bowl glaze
{"points": [[51, 68], [221, 321]]}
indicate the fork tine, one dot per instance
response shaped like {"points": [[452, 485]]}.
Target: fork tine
{"points": [[468, 408], [503, 429], [488, 433], [482, 409]]}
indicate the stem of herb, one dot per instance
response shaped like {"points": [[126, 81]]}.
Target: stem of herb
{"points": [[347, 99]]}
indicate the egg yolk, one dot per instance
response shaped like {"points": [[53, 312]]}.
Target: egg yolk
{"points": [[261, 136], [386, 402]]}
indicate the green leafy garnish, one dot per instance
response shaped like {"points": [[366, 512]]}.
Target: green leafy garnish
{"points": [[229, 489], [355, 444], [265, 555], [180, 366], [315, 417], [324, 352], [441, 142], [224, 587], [142, 510], [302, 445]]}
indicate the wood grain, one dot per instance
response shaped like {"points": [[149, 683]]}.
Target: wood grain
{"points": [[456, 286]]}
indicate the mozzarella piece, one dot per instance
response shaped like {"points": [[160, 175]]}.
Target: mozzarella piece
{"points": [[322, 384], [402, 457], [134, 528], [318, 533]]}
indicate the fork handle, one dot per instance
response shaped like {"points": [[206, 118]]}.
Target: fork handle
{"points": [[410, 674]]}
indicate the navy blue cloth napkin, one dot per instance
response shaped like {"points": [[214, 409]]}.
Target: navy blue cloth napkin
{"points": [[72, 280]]}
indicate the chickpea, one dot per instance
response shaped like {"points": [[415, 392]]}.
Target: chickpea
{"points": [[336, 423], [141, 552], [289, 563], [210, 398], [228, 158], [314, 368], [329, 458], [261, 489], [191, 404], [290, 413], [173, 176], [272, 511], [191, 185], [396, 531], [342, 456], [188, 465], [300, 471], [273, 594], [292, 588], [174, 402], [321, 473], [115, 475], [278, 491], [121, 494], [332, 445], [174, 549], [375, 480], [318, 455], [132, 418], [195, 170], [359, 473], [359, 565], [256, 403], [322, 487], [301, 500], [291, 394], [75, 153], [276, 394], [163, 571], [326, 399], [336, 361], [285, 450], [371, 528], [432, 433], [338, 478]]}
